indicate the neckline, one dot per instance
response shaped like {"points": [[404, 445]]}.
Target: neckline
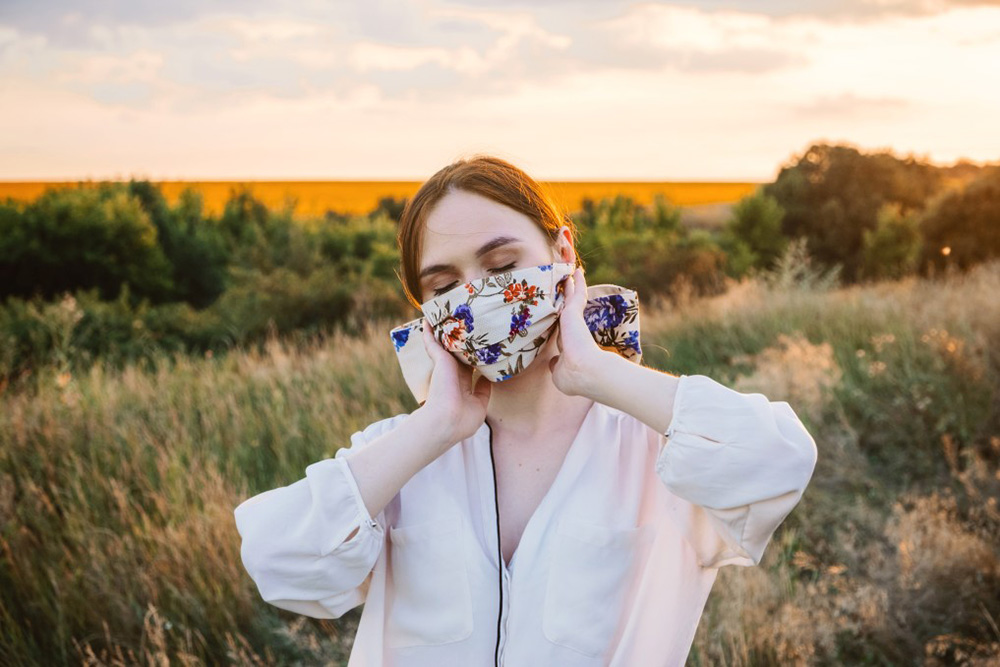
{"points": [[568, 460]]}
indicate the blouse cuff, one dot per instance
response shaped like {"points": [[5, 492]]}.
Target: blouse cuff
{"points": [[741, 458], [343, 499], [726, 449]]}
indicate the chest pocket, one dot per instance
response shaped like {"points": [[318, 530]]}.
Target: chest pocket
{"points": [[430, 601], [589, 577]]}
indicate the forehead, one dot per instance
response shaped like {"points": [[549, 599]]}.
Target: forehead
{"points": [[462, 222]]}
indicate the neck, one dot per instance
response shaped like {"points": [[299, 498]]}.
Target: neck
{"points": [[529, 404]]}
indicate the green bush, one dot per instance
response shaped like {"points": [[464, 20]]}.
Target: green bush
{"points": [[200, 283], [647, 248], [193, 245], [966, 221], [892, 249], [82, 238], [833, 194], [755, 226]]}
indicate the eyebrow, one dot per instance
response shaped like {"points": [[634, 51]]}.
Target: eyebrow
{"points": [[486, 247]]}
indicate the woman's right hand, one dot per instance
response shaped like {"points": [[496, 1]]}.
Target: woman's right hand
{"points": [[450, 397]]}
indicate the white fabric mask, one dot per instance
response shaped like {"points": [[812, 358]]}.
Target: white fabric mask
{"points": [[499, 323]]}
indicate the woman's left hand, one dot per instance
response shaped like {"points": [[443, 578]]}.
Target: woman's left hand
{"points": [[576, 364]]}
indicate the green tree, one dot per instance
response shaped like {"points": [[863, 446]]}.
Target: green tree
{"points": [[646, 248], [966, 222], [756, 221], [892, 249], [243, 220], [391, 207], [87, 237], [832, 194], [195, 247]]}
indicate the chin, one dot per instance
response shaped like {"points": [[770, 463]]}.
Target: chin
{"points": [[536, 372]]}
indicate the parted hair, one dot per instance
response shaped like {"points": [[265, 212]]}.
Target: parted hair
{"points": [[484, 175]]}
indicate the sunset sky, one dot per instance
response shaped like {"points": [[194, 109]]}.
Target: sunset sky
{"points": [[567, 89]]}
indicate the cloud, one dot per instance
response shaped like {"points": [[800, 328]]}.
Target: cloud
{"points": [[657, 36], [839, 11], [216, 54], [850, 105], [644, 90]]}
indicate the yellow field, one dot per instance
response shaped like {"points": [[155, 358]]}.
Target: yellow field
{"points": [[314, 198]]}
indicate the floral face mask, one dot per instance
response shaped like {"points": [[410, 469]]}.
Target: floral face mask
{"points": [[498, 324]]}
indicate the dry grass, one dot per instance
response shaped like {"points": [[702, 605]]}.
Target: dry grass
{"points": [[879, 564], [117, 544], [117, 492]]}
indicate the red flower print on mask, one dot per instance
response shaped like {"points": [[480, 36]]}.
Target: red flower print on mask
{"points": [[521, 292], [453, 333]]}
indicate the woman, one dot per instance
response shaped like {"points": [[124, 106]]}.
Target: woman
{"points": [[550, 501]]}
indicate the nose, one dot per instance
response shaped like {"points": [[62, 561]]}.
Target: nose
{"points": [[474, 272]]}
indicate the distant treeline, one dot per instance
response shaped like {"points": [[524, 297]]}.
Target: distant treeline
{"points": [[115, 272]]}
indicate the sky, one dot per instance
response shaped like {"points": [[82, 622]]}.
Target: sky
{"points": [[716, 90]]}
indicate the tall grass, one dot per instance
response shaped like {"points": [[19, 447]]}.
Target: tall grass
{"points": [[117, 491], [893, 555], [117, 542]]}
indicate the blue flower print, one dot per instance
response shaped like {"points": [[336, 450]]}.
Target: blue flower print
{"points": [[400, 337], [605, 312], [545, 267], [464, 313], [631, 340], [519, 322], [489, 354]]}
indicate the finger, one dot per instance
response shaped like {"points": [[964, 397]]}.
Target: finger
{"points": [[579, 300], [430, 343], [579, 283]]}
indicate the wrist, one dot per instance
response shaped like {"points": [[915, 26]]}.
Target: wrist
{"points": [[430, 425], [599, 375]]}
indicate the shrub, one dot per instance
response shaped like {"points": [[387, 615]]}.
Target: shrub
{"points": [[647, 249], [82, 238], [193, 245], [833, 194], [892, 249], [756, 223], [966, 221]]}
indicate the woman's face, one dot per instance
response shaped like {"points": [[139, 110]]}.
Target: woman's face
{"points": [[468, 236]]}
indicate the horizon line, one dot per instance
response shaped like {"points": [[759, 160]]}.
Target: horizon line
{"points": [[120, 179]]}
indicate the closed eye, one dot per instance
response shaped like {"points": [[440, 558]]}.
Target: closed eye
{"points": [[501, 269]]}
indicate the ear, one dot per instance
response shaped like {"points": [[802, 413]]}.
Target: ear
{"points": [[564, 250]]}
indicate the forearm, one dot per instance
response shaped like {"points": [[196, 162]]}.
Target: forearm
{"points": [[385, 464], [744, 459], [645, 393]]}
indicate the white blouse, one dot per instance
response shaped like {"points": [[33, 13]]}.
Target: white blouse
{"points": [[613, 568]]}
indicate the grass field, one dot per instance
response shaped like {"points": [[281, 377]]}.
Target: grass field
{"points": [[117, 541], [315, 198]]}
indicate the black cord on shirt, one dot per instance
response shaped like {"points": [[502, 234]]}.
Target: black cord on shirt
{"points": [[496, 503]]}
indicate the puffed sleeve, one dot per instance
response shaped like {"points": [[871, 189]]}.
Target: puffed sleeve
{"points": [[741, 459], [294, 536]]}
